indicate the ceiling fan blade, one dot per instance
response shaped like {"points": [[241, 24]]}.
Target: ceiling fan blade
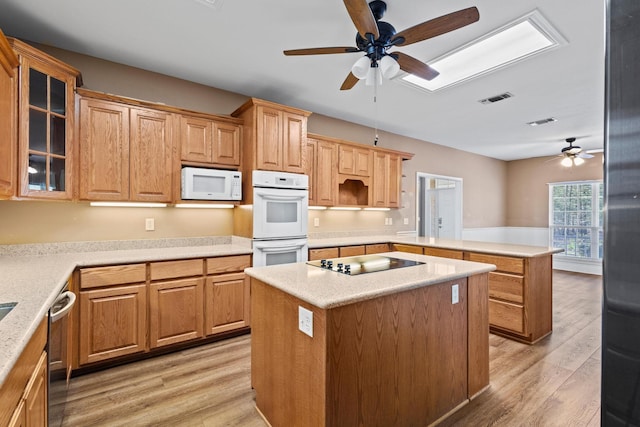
{"points": [[585, 155], [436, 27], [412, 66], [349, 82], [362, 17], [321, 50]]}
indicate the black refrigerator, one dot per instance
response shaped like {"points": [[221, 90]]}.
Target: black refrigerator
{"points": [[621, 258]]}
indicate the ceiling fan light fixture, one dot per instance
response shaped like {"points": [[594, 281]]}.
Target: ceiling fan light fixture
{"points": [[374, 77], [361, 67], [566, 162], [578, 161], [389, 67]]}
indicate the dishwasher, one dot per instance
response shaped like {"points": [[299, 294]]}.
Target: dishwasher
{"points": [[59, 355]]}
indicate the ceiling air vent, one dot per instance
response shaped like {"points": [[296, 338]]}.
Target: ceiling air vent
{"points": [[543, 121], [496, 98]]}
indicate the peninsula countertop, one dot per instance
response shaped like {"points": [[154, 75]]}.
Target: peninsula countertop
{"points": [[505, 249], [34, 281], [328, 289]]}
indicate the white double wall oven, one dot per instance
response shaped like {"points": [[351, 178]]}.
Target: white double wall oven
{"points": [[280, 216]]}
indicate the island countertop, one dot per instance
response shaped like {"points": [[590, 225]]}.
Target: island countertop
{"points": [[504, 249], [328, 289]]}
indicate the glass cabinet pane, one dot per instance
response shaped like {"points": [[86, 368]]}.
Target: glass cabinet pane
{"points": [[58, 135], [37, 172], [58, 96], [37, 130], [56, 177], [37, 89]]}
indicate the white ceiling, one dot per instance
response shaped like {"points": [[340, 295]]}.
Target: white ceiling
{"points": [[237, 45]]}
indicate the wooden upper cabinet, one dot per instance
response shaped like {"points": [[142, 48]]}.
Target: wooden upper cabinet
{"points": [[326, 177], [8, 118], [150, 161], [387, 171], [46, 117], [311, 168], [354, 160], [104, 150], [126, 152], [209, 142], [274, 136]]}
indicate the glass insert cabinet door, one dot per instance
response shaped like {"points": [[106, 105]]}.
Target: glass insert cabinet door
{"points": [[46, 124]]}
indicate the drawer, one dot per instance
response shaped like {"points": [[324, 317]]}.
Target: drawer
{"points": [[323, 253], [502, 263], [351, 250], [407, 248], [443, 253], [509, 287], [173, 269], [506, 315], [228, 264], [113, 275], [376, 249]]}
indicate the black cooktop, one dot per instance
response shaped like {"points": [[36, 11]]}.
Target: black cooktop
{"points": [[363, 264]]}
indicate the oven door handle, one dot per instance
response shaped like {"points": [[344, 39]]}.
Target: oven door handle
{"points": [[281, 249], [267, 196], [61, 312]]}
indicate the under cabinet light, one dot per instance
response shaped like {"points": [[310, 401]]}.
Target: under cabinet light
{"points": [[204, 206], [317, 208], [344, 208], [377, 209], [128, 204]]}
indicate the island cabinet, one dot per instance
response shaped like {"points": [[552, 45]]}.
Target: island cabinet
{"points": [[343, 251], [24, 391], [125, 151], [405, 359], [8, 118], [46, 112], [227, 294], [176, 309], [210, 143], [113, 312]]}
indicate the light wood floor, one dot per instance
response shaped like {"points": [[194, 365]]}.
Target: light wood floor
{"points": [[553, 383]]}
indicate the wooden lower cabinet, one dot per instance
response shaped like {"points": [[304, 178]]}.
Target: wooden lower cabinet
{"points": [[376, 248], [23, 394], [323, 253], [226, 302], [407, 248], [176, 311], [112, 323], [351, 250]]}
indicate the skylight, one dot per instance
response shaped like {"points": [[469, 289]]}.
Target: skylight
{"points": [[518, 40]]}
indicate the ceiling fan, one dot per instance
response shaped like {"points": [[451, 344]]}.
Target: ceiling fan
{"points": [[573, 155], [375, 38]]}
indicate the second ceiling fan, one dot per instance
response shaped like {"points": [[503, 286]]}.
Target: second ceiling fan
{"points": [[376, 37]]}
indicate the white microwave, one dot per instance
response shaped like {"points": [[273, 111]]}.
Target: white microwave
{"points": [[211, 184]]}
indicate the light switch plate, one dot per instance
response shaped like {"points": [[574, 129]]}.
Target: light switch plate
{"points": [[149, 224], [305, 321], [316, 222], [455, 294]]}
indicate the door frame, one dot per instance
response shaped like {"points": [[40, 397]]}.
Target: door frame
{"points": [[422, 201]]}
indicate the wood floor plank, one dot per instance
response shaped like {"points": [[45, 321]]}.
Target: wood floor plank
{"points": [[554, 382]]}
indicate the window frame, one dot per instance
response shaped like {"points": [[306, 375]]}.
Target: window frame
{"points": [[596, 228]]}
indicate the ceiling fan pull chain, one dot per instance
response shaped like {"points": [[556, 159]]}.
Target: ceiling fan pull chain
{"points": [[375, 105]]}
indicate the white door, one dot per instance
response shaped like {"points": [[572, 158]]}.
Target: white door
{"points": [[439, 206]]}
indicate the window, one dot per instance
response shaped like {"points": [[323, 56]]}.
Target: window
{"points": [[575, 218]]}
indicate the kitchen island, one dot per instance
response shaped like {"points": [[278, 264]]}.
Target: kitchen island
{"points": [[398, 347]]}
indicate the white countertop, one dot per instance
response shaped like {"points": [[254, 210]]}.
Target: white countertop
{"points": [[327, 289], [34, 281], [506, 249]]}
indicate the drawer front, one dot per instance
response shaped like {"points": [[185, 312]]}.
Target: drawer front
{"points": [[228, 264], [443, 253], [502, 263], [506, 315], [509, 287], [376, 249], [352, 250], [323, 253], [113, 275], [174, 269], [407, 248]]}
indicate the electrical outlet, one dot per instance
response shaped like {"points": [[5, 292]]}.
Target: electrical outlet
{"points": [[149, 224], [455, 294], [316, 222], [305, 321], [406, 221]]}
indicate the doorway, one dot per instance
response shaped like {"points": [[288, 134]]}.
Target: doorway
{"points": [[439, 206]]}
